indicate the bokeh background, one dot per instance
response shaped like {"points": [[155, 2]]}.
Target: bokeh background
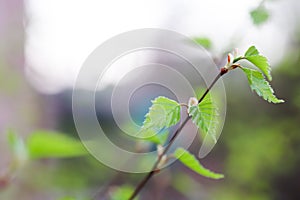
{"points": [[44, 43]]}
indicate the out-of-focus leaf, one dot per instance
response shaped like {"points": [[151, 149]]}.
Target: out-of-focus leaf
{"points": [[73, 198], [123, 192], [262, 87], [203, 41], [157, 138], [191, 162], [47, 144], [67, 198], [205, 116], [259, 15], [17, 146]]}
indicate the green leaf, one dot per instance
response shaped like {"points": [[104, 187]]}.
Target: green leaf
{"points": [[162, 114], [17, 146], [262, 87], [13, 140], [191, 162], [159, 138], [67, 198], [205, 116], [260, 61], [259, 15], [121, 193], [48, 144], [252, 51], [203, 41]]}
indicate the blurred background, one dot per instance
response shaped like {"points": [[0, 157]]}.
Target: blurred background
{"points": [[42, 47]]}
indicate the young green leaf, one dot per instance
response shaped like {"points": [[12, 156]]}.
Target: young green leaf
{"points": [[252, 51], [262, 87], [205, 116], [261, 62], [47, 144], [121, 193], [162, 114], [191, 162]]}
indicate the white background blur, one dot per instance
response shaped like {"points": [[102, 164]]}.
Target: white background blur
{"points": [[61, 34]]}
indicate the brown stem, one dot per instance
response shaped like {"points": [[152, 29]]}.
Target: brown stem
{"points": [[141, 185]]}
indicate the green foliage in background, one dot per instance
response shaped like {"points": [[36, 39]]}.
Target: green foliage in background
{"points": [[204, 41], [47, 144], [44, 144], [259, 15], [122, 192]]}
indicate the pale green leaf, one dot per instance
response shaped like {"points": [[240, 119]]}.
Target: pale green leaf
{"points": [[191, 162], [259, 15], [120, 193], [13, 140], [17, 146], [203, 41], [262, 87], [47, 144], [261, 62], [205, 116], [162, 114]]}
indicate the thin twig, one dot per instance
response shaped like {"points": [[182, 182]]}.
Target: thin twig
{"points": [[154, 168], [184, 105]]}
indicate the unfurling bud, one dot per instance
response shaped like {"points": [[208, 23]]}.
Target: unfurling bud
{"points": [[160, 150], [193, 101], [224, 70], [230, 59], [162, 162]]}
